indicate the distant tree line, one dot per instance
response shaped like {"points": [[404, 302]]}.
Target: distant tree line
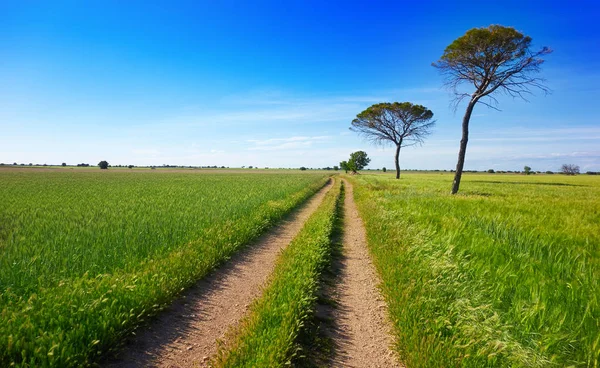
{"points": [[358, 160]]}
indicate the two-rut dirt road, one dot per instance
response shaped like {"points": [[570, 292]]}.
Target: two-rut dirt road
{"points": [[360, 328], [187, 333]]}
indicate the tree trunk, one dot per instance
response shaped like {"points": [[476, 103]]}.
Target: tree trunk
{"points": [[463, 146], [397, 162]]}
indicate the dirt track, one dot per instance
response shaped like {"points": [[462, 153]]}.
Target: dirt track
{"points": [[360, 330], [186, 334]]}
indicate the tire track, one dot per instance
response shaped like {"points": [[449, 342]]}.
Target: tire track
{"points": [[359, 328], [187, 333]]}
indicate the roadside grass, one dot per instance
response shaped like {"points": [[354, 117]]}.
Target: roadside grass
{"points": [[268, 336], [504, 274], [86, 257]]}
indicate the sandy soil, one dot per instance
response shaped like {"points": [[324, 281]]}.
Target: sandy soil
{"points": [[360, 328], [186, 334]]}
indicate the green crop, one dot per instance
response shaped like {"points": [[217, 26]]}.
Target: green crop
{"points": [[504, 274], [267, 337], [85, 257]]}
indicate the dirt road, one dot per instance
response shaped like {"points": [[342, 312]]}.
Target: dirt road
{"points": [[360, 330], [186, 334]]}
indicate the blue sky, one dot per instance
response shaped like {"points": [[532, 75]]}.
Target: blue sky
{"points": [[271, 84]]}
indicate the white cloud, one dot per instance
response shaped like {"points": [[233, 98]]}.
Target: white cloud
{"points": [[290, 143], [269, 107], [146, 151], [556, 155]]}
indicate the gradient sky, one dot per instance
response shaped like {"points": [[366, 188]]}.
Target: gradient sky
{"points": [[277, 83]]}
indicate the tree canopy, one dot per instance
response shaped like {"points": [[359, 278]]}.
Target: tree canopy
{"points": [[358, 161], [492, 58], [570, 169], [399, 123], [344, 165]]}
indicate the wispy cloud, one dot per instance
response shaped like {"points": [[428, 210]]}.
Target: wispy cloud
{"points": [[557, 155], [264, 107], [290, 139], [146, 151], [583, 133], [271, 97], [290, 143]]}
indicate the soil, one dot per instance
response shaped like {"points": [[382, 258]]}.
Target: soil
{"points": [[359, 327], [187, 333]]}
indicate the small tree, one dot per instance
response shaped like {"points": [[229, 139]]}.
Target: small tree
{"points": [[384, 169], [358, 161], [103, 165], [491, 59], [64, 164], [336, 168], [400, 123], [344, 165], [527, 170], [570, 169]]}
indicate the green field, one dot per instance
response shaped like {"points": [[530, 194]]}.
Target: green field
{"points": [[506, 273], [86, 256]]}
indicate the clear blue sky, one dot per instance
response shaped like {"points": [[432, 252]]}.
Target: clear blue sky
{"points": [[272, 84]]}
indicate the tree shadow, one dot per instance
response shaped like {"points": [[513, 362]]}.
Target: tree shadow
{"points": [[476, 193]]}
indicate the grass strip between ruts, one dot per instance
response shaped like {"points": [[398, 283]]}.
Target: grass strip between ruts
{"points": [[267, 337]]}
